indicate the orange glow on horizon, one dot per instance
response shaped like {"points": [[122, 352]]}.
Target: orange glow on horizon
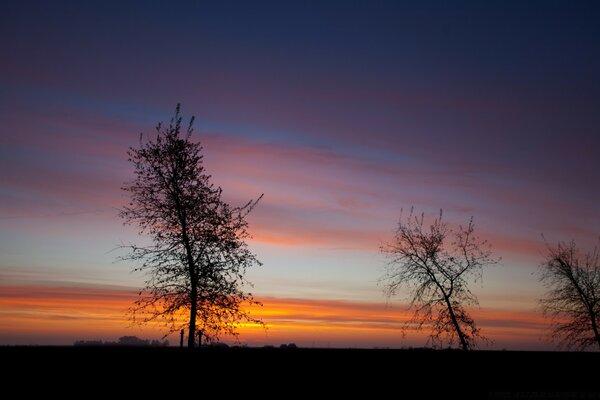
{"points": [[61, 315]]}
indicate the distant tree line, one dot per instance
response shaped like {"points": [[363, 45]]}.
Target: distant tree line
{"points": [[126, 341]]}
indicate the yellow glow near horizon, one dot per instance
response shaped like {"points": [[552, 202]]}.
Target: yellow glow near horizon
{"points": [[63, 315]]}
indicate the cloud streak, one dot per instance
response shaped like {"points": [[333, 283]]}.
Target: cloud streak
{"points": [[340, 116], [314, 195], [67, 313]]}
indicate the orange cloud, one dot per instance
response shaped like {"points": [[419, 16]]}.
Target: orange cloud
{"points": [[69, 312], [61, 315]]}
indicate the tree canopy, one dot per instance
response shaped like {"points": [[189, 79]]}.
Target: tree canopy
{"points": [[435, 263], [197, 257], [572, 300]]}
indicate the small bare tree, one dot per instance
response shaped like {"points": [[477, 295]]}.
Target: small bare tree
{"points": [[436, 262], [572, 301], [197, 256]]}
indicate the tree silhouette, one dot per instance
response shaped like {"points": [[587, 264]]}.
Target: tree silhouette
{"points": [[197, 256], [435, 264], [572, 301]]}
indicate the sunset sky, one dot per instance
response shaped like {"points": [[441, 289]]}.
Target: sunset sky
{"points": [[341, 113]]}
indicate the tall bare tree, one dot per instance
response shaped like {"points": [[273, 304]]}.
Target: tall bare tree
{"points": [[435, 263], [197, 255], [572, 301]]}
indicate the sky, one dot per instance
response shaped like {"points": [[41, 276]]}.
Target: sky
{"points": [[342, 113]]}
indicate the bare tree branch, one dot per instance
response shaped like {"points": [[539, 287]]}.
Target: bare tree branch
{"points": [[196, 262], [436, 273], [572, 300]]}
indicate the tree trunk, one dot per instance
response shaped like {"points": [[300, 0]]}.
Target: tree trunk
{"points": [[192, 328], [459, 332], [193, 280], [596, 330]]}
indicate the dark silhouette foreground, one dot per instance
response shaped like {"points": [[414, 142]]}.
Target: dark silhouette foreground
{"points": [[572, 300], [197, 255], [436, 263], [310, 372]]}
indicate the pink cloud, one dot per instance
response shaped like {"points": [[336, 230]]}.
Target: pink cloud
{"points": [[312, 195]]}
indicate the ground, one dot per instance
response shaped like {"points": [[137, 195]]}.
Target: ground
{"points": [[272, 372]]}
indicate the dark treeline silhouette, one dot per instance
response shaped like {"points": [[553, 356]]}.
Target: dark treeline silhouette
{"points": [[196, 262], [131, 341]]}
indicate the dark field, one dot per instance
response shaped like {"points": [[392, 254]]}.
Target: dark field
{"points": [[237, 372]]}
